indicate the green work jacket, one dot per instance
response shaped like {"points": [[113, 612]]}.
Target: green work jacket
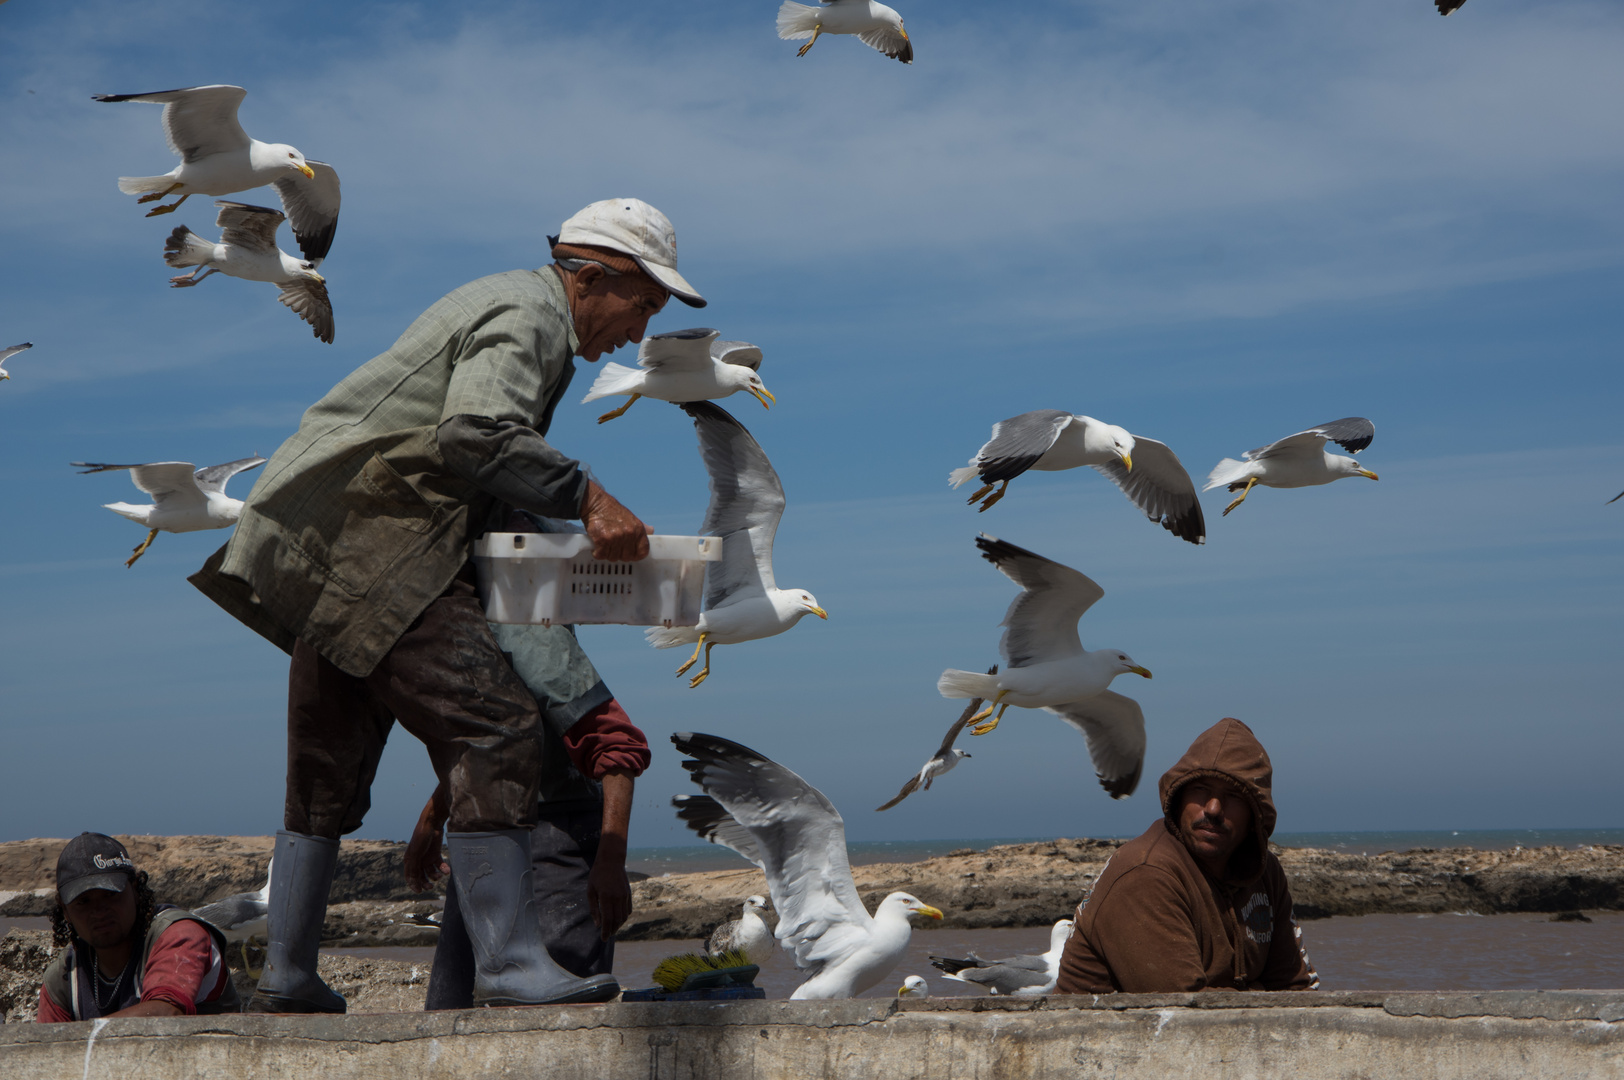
{"points": [[356, 524]]}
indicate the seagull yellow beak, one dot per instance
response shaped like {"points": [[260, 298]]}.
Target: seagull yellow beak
{"points": [[309, 173], [926, 909], [1137, 670], [1367, 472], [763, 395], [319, 280], [819, 612], [1127, 462]]}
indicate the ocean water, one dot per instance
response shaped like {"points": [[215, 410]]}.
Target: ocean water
{"points": [[692, 858]]}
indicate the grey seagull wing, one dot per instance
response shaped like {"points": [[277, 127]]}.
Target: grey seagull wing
{"points": [[309, 300], [214, 477], [678, 350], [1017, 443], [1041, 623], [741, 353], [198, 120], [312, 207], [1160, 487], [747, 500], [1114, 727]]}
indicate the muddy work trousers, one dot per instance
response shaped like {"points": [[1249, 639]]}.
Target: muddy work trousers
{"points": [[448, 683]]}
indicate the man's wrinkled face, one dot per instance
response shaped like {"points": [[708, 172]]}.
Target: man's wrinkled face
{"points": [[1213, 820], [102, 918], [611, 311]]}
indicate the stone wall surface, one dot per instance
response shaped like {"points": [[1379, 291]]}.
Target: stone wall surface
{"points": [[1214, 1036]]}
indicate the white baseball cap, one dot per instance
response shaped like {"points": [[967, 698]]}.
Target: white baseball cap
{"points": [[634, 227]]}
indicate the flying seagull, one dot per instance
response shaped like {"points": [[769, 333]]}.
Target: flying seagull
{"points": [[183, 500], [914, 986], [1448, 7], [1050, 440], [218, 158], [1046, 666], [789, 829], [742, 600], [945, 757], [749, 933], [1297, 460], [242, 915], [684, 365], [1016, 976], [8, 352], [247, 249], [875, 25]]}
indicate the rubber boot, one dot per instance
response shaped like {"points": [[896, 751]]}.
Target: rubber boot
{"points": [[298, 906], [491, 873]]}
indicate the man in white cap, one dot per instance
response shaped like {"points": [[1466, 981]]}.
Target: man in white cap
{"points": [[352, 555]]}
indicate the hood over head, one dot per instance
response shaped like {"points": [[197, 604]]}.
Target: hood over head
{"points": [[1228, 750]]}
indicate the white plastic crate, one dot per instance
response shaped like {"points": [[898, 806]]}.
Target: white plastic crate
{"points": [[551, 578]]}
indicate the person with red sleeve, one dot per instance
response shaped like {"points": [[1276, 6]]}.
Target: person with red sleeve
{"points": [[127, 955], [1198, 902], [591, 755]]}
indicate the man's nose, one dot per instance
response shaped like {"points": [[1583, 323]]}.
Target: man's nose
{"points": [[1214, 808]]}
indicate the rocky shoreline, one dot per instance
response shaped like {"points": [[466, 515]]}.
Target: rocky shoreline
{"points": [[1008, 885]]}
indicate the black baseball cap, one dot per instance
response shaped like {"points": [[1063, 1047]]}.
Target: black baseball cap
{"points": [[92, 861]]}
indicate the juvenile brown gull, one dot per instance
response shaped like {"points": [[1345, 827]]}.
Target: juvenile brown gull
{"points": [[1297, 460], [789, 829], [748, 933]]}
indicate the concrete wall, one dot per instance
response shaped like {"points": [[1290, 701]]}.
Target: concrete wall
{"points": [[1210, 1037]]}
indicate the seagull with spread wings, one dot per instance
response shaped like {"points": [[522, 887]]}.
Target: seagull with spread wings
{"points": [[742, 599], [874, 24], [683, 365], [789, 829], [247, 249], [183, 500], [945, 758], [1046, 666], [1023, 975], [218, 158], [8, 352], [1050, 440], [1297, 460]]}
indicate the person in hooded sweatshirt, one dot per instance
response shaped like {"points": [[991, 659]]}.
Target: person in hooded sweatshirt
{"points": [[1198, 902]]}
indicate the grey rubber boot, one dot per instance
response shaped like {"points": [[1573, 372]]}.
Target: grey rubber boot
{"points": [[303, 877], [491, 873]]}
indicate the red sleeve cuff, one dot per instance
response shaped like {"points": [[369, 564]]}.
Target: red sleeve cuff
{"points": [[606, 739]]}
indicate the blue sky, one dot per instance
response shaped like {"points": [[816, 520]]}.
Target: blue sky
{"points": [[1214, 224]]}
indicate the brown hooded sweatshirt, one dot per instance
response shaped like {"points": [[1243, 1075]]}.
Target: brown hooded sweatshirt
{"points": [[1156, 923]]}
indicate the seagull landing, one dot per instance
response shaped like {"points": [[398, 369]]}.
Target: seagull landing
{"points": [[793, 832], [875, 25], [183, 500], [247, 249], [218, 158], [684, 365], [8, 352], [1046, 666], [1297, 460], [1051, 440], [742, 600]]}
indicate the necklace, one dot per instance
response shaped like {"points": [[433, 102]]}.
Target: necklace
{"points": [[115, 985]]}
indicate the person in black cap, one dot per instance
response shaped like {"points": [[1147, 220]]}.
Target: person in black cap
{"points": [[126, 954]]}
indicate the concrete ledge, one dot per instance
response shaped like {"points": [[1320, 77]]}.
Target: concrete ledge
{"points": [[1205, 1036]]}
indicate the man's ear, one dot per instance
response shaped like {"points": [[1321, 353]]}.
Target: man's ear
{"points": [[588, 276]]}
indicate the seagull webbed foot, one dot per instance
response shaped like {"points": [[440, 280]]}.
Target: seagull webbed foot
{"points": [[999, 494], [990, 725], [816, 30], [141, 549], [694, 659], [704, 672], [972, 500], [154, 196], [1242, 498], [613, 413], [171, 208]]}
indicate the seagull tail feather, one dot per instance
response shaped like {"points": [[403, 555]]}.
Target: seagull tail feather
{"points": [[140, 185], [796, 21], [185, 248], [967, 684], [613, 379], [669, 637], [1227, 471], [958, 476]]}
